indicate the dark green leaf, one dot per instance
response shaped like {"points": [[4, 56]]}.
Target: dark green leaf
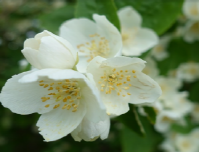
{"points": [[151, 114], [185, 128], [132, 121], [54, 19], [193, 92], [158, 15], [86, 8], [179, 52], [131, 142]]}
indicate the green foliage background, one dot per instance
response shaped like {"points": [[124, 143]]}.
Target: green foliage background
{"points": [[19, 133]]}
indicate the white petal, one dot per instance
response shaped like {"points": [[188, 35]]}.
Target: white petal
{"points": [[23, 98], [59, 123], [32, 43], [47, 50], [77, 31], [143, 40], [87, 37], [95, 123], [129, 17], [32, 57], [110, 32], [191, 9], [142, 90]]}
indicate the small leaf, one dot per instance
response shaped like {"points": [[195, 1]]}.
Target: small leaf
{"points": [[157, 14], [131, 142], [151, 114], [53, 20], [132, 121], [86, 8]]}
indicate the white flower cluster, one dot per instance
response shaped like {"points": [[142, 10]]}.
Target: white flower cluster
{"points": [[173, 105], [191, 12], [80, 78]]}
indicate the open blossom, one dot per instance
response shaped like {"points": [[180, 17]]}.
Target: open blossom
{"points": [[136, 39], [121, 81], [191, 31], [91, 39], [187, 142], [159, 52], [169, 86], [151, 68], [47, 50], [191, 9], [188, 72], [66, 100], [173, 109], [178, 142]]}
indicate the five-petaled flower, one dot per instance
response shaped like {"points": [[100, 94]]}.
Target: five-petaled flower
{"points": [[68, 102], [121, 81], [136, 39], [91, 39]]}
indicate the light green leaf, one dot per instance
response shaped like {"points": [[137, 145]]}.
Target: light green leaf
{"points": [[86, 8], [132, 121], [131, 142], [158, 15], [151, 114], [52, 21]]}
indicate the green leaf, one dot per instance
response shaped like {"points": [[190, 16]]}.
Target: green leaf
{"points": [[52, 21], [151, 114], [131, 142], [86, 8], [132, 121], [179, 52], [158, 15], [185, 128], [193, 92]]}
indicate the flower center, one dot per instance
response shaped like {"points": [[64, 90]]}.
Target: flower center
{"points": [[195, 28], [66, 94], [125, 37], [116, 81], [98, 46], [159, 49], [194, 10]]}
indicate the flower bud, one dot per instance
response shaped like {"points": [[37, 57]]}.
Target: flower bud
{"points": [[47, 50]]}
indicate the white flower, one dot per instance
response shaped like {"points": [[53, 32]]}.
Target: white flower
{"points": [[173, 109], [91, 39], [164, 120], [188, 72], [151, 68], [136, 39], [159, 52], [191, 9], [169, 86], [168, 146], [186, 143], [122, 81], [66, 99], [47, 50], [191, 31], [195, 113]]}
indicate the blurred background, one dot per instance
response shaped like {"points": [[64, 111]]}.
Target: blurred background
{"points": [[22, 19]]}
